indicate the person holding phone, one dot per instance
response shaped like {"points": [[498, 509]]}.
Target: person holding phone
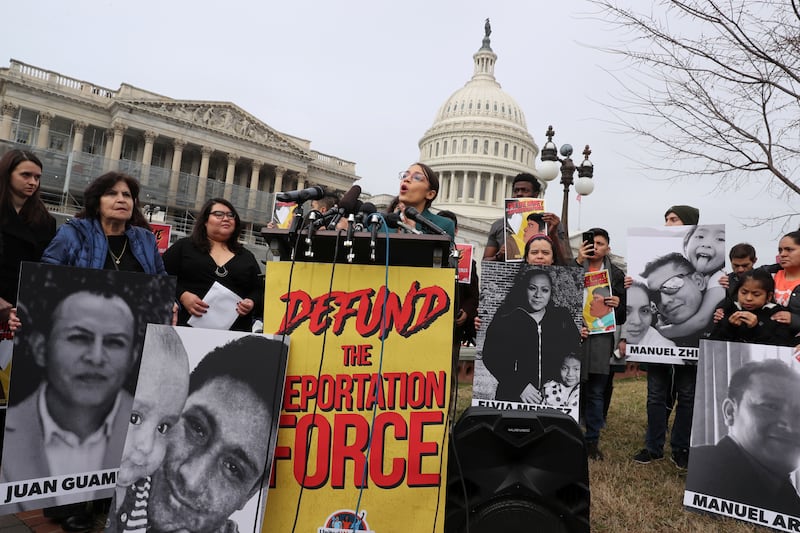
{"points": [[598, 349]]}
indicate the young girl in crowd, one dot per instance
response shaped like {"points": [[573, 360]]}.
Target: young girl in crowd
{"points": [[750, 317], [160, 396]]}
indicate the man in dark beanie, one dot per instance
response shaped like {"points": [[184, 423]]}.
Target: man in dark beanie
{"points": [[682, 215]]}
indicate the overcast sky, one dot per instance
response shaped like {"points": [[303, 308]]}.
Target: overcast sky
{"points": [[364, 79]]}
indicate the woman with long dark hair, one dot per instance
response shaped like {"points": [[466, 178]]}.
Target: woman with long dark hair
{"points": [[26, 228], [211, 254], [110, 232], [528, 338]]}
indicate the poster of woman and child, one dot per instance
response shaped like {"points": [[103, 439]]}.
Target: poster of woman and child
{"points": [[529, 343]]}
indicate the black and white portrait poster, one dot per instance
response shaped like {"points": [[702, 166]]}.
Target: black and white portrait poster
{"points": [[75, 366], [676, 272], [210, 401], [745, 452], [529, 340]]}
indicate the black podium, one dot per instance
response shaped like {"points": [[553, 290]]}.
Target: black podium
{"points": [[405, 249]]}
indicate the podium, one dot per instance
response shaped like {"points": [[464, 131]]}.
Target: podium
{"points": [[369, 381], [405, 249]]}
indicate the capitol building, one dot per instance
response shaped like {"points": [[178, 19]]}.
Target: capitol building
{"points": [[478, 142], [182, 151], [187, 151]]}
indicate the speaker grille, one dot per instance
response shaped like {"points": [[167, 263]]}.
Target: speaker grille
{"points": [[520, 469]]}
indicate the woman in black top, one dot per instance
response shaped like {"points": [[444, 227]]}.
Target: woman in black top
{"points": [[26, 228], [213, 253]]}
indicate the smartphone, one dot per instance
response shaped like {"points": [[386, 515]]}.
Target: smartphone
{"points": [[588, 236]]}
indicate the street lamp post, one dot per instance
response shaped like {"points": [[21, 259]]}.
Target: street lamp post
{"points": [[551, 166]]}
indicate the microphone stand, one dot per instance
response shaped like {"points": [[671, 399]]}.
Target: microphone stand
{"points": [[297, 223], [312, 216]]}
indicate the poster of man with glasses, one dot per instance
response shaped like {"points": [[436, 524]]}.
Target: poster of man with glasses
{"points": [[675, 290]]}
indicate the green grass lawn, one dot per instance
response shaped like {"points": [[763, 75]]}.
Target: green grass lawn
{"points": [[627, 496]]}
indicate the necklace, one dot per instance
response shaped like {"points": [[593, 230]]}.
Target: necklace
{"points": [[118, 258], [221, 271]]}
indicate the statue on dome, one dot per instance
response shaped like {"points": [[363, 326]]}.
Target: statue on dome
{"points": [[487, 28]]}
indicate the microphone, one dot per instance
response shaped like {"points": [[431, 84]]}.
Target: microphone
{"points": [[415, 215], [394, 221], [312, 193], [348, 241], [374, 220], [367, 208], [349, 204]]}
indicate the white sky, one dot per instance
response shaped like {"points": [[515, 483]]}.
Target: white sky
{"points": [[364, 79]]}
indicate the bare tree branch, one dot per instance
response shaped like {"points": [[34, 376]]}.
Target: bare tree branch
{"points": [[714, 86]]}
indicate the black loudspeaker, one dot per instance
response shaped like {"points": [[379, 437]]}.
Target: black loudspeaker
{"points": [[512, 471]]}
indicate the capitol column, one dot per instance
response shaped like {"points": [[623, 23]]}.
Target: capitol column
{"points": [[77, 142], [252, 194], [279, 172], [116, 144], [230, 174], [451, 190], [9, 110], [43, 139], [477, 196], [503, 191], [464, 187], [301, 181], [175, 173], [205, 157], [147, 155], [490, 190]]}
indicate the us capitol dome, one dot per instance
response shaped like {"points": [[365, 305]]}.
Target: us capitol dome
{"points": [[478, 142]]}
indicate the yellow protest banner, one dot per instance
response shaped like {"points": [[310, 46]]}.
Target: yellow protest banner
{"points": [[362, 443]]}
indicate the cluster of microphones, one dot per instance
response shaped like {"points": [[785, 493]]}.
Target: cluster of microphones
{"points": [[360, 216]]}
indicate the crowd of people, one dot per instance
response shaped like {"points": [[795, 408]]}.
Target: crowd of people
{"points": [[678, 299], [533, 347], [110, 233]]}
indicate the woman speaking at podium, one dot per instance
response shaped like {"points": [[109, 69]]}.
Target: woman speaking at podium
{"points": [[418, 188]]}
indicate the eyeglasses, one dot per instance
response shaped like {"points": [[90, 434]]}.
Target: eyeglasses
{"points": [[673, 285], [416, 176], [222, 214]]}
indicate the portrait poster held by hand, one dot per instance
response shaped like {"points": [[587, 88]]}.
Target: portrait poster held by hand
{"points": [[529, 341], [524, 219], [282, 214], [162, 233], [598, 317], [207, 467], [676, 272], [75, 367], [363, 438], [745, 455], [466, 254]]}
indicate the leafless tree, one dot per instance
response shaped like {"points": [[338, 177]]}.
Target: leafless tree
{"points": [[714, 84]]}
